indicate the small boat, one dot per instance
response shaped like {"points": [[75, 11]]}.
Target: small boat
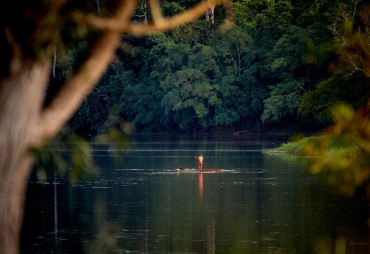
{"points": [[205, 170]]}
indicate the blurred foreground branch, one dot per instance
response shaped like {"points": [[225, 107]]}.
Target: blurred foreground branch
{"points": [[160, 23]]}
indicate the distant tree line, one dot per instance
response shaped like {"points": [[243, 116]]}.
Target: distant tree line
{"points": [[277, 67]]}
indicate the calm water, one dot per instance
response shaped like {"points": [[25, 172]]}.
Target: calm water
{"points": [[259, 204]]}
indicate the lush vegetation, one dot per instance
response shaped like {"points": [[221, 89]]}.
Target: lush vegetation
{"points": [[340, 153], [278, 67], [300, 146], [284, 64]]}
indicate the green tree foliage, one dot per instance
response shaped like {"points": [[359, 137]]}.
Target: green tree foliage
{"points": [[277, 65], [101, 109], [346, 169], [337, 88], [285, 66], [348, 80]]}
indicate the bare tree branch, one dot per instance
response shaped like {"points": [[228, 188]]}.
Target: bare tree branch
{"points": [[155, 8], [140, 29], [83, 80]]}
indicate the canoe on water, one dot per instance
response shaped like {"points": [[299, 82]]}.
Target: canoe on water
{"points": [[205, 170]]}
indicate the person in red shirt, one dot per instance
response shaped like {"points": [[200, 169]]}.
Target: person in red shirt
{"points": [[200, 162]]}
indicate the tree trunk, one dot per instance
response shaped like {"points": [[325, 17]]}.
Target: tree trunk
{"points": [[21, 97], [23, 122]]}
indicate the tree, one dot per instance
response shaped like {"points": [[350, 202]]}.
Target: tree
{"points": [[240, 94], [338, 88], [349, 23], [347, 168], [30, 31]]}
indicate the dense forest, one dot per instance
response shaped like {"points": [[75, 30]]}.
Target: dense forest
{"points": [[281, 65]]}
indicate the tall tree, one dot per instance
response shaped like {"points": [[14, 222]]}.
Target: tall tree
{"points": [[29, 32], [284, 65]]}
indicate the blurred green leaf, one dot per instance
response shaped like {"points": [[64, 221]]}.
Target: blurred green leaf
{"points": [[341, 112]]}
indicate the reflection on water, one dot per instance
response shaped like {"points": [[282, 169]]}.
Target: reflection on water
{"points": [[200, 184], [259, 204]]}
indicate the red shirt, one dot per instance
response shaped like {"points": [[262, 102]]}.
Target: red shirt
{"points": [[200, 160]]}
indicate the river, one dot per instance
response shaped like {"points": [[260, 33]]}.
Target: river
{"points": [[258, 203]]}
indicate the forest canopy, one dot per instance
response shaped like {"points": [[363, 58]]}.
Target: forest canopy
{"points": [[279, 66]]}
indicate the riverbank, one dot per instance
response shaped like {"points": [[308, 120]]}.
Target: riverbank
{"points": [[326, 145]]}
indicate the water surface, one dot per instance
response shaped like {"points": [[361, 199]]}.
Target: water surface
{"points": [[259, 204]]}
